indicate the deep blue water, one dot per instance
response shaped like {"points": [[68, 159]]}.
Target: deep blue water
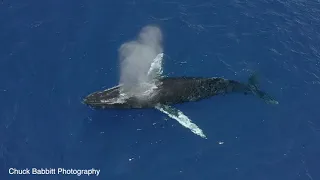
{"points": [[53, 53]]}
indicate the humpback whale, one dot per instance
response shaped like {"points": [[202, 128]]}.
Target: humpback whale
{"points": [[142, 84], [165, 92], [176, 90]]}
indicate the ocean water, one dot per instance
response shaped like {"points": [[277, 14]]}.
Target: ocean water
{"points": [[53, 53]]}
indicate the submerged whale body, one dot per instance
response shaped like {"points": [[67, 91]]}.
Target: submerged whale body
{"points": [[175, 90]]}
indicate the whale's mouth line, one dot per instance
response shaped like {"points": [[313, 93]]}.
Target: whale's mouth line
{"points": [[117, 97]]}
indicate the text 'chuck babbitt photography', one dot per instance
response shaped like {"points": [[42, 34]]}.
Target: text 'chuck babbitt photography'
{"points": [[54, 171]]}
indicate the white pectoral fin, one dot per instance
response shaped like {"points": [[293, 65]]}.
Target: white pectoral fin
{"points": [[156, 70], [181, 118]]}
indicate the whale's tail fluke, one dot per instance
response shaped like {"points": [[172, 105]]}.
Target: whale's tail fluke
{"points": [[254, 88]]}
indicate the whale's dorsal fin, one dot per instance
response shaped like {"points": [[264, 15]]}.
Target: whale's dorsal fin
{"points": [[181, 118]]}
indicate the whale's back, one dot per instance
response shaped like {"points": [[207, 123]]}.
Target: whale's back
{"points": [[174, 90]]}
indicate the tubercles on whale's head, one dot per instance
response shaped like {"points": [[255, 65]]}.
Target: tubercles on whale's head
{"points": [[107, 98]]}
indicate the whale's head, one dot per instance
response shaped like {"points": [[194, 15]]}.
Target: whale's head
{"points": [[113, 98], [109, 98]]}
